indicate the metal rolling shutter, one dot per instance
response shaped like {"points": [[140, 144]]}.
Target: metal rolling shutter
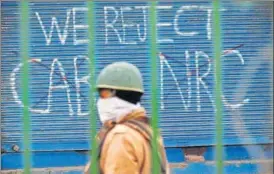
{"points": [[185, 69]]}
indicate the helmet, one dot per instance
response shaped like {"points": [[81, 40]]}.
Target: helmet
{"points": [[121, 76]]}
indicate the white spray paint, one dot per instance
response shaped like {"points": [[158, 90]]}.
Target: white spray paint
{"points": [[188, 74], [162, 102], [182, 9], [199, 79], [78, 81], [164, 24], [54, 23], [242, 103], [51, 87], [13, 88], [111, 25], [164, 40], [125, 25], [65, 86], [142, 39], [193, 33], [208, 25], [163, 60], [13, 81], [111, 11], [178, 13], [197, 83], [75, 26]]}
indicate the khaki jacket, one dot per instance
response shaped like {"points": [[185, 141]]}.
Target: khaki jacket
{"points": [[126, 151]]}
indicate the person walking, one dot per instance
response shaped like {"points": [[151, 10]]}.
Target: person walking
{"points": [[126, 135]]}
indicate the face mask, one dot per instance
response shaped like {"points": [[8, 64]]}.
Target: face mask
{"points": [[113, 108]]}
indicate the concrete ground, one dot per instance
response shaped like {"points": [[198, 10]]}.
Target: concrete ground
{"points": [[207, 167]]}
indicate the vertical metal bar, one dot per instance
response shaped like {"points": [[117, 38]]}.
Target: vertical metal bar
{"points": [[154, 86], [218, 85], [271, 64], [91, 55], [24, 50], [0, 86]]}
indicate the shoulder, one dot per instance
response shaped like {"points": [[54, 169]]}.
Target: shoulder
{"points": [[124, 133]]}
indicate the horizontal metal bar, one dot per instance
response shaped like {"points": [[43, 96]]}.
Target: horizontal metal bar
{"points": [[128, 1]]}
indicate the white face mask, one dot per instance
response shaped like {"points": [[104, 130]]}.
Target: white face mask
{"points": [[114, 107]]}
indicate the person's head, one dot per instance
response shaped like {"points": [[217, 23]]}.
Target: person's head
{"points": [[120, 87]]}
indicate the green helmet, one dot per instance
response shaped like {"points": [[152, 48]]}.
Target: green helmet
{"points": [[121, 76]]}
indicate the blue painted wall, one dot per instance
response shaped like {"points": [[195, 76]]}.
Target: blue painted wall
{"points": [[59, 72]]}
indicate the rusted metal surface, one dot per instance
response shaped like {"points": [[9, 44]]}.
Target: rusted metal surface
{"points": [[194, 154]]}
